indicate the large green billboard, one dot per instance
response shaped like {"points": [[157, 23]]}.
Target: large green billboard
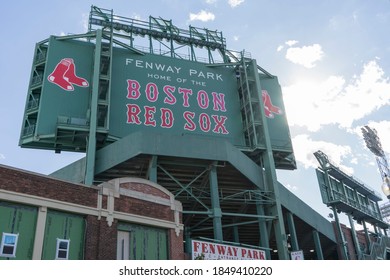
{"points": [[66, 87], [141, 91], [174, 96], [275, 113]]}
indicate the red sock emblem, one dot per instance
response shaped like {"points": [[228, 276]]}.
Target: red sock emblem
{"points": [[64, 75], [269, 108]]}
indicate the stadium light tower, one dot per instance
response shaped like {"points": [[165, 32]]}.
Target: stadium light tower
{"points": [[374, 145]]}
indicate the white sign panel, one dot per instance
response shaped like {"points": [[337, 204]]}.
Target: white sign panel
{"points": [[214, 251], [297, 255]]}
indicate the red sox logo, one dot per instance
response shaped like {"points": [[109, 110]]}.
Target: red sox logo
{"points": [[269, 108], [64, 75]]}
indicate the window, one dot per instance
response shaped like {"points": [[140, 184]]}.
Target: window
{"points": [[8, 245], [62, 251]]}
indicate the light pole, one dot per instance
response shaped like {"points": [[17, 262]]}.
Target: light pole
{"points": [[386, 186]]}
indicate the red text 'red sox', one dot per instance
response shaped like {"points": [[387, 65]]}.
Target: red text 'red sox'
{"points": [[146, 115]]}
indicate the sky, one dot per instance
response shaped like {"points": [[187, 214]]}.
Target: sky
{"points": [[331, 57]]}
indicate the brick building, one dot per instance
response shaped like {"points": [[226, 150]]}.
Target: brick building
{"points": [[46, 218]]}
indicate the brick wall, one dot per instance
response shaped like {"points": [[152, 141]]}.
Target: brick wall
{"points": [[43, 186], [101, 237]]}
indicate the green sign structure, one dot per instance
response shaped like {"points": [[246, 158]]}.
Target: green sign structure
{"points": [[173, 96], [147, 92], [127, 107]]}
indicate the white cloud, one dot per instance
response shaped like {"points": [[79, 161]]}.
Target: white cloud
{"points": [[291, 43], [2, 156], [85, 21], [280, 48], [235, 38], [202, 16], [304, 148], [334, 101], [306, 55], [235, 3], [354, 161], [137, 16], [211, 2], [291, 188]]}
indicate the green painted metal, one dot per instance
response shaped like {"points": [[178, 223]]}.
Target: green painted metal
{"points": [[342, 242], [317, 244], [146, 243], [367, 237], [64, 226], [157, 30], [185, 188], [152, 172], [292, 231], [186, 146], [354, 237], [271, 180], [263, 229], [176, 97], [217, 213], [21, 220], [305, 213], [347, 196], [91, 147]]}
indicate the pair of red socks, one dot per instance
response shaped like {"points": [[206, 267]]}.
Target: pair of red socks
{"points": [[269, 108], [64, 75]]}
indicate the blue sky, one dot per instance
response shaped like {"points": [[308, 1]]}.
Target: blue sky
{"points": [[332, 59]]}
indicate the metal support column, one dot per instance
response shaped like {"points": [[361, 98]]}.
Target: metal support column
{"points": [[264, 236], [354, 237], [188, 244], [317, 244], [293, 233], [91, 147], [268, 163], [342, 243], [368, 241], [216, 208], [236, 235], [152, 172]]}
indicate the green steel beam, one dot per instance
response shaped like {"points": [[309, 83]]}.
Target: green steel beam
{"points": [[152, 171], [236, 234], [216, 208], [263, 231], [77, 36], [271, 179], [185, 188], [226, 226], [367, 237], [262, 217], [292, 231], [186, 146], [317, 244], [91, 147], [342, 244], [354, 236]]}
